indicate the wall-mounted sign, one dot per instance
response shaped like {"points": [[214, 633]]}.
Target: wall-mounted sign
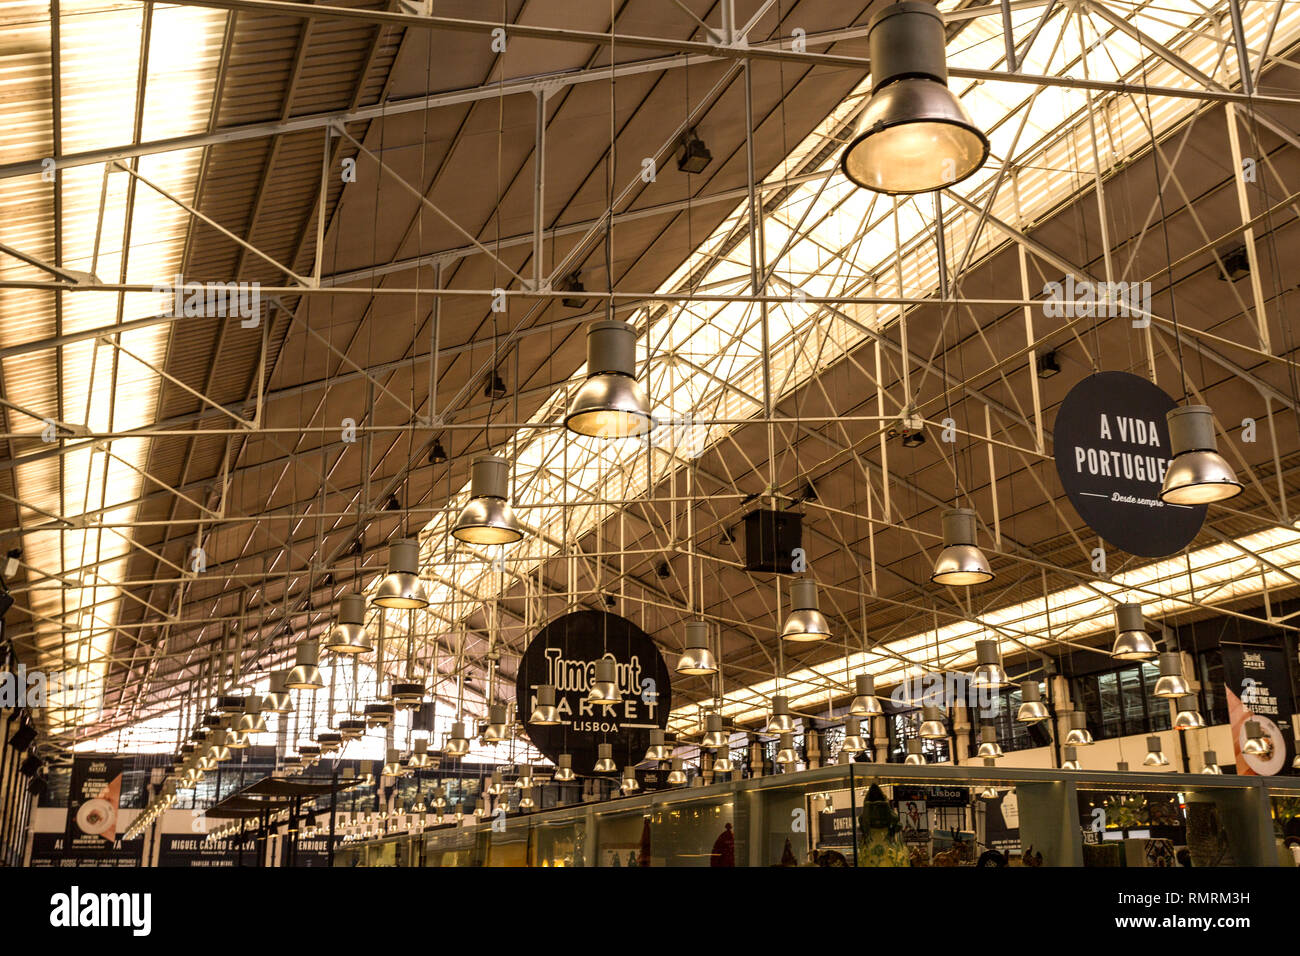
{"points": [[1259, 689], [1112, 450], [93, 796], [564, 654]]}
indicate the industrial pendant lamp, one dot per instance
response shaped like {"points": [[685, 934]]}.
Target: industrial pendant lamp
{"points": [[305, 674], [604, 687], [658, 750], [458, 742], [497, 786], [237, 740], [677, 776], [564, 768], [604, 759], [1155, 754], [420, 758], [805, 623], [1070, 758], [960, 563], [524, 776], [697, 659], [1032, 709], [526, 801], [1257, 743], [380, 715], [393, 765], [865, 703], [251, 722], [722, 760], [914, 755], [487, 517], [348, 636], [714, 735], [785, 754], [1077, 733], [1198, 474], [932, 727], [545, 713], [1188, 717], [277, 699], [480, 807], [401, 587], [330, 741], [989, 746], [989, 672], [1132, 643], [497, 730], [406, 694], [914, 135], [220, 750], [989, 792], [352, 728], [629, 783], [1171, 683], [853, 742], [1211, 764], [611, 403], [780, 721]]}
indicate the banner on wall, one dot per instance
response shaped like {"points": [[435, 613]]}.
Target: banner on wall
{"points": [[1258, 688], [1112, 450], [48, 851], [94, 794], [564, 654], [193, 850]]}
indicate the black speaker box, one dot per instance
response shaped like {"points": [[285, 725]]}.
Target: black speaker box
{"points": [[770, 540], [23, 737]]}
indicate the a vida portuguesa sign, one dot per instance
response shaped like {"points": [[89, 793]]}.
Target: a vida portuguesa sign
{"points": [[1112, 451], [564, 654]]}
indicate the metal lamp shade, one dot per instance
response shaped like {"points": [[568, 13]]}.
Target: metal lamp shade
{"points": [[305, 674], [420, 755], [785, 754], [1257, 743], [805, 622], [329, 741], [1211, 765], [251, 722], [629, 782], [960, 563], [1188, 717], [714, 735], [349, 636], [497, 786], [393, 765], [604, 686], [722, 762], [237, 740], [487, 517], [220, 749], [406, 694], [988, 666], [1077, 733], [604, 759], [1155, 754], [914, 757], [853, 742], [932, 727], [677, 776], [497, 730], [1132, 643], [1198, 474], [277, 699], [780, 721], [1171, 682], [697, 659], [1069, 758], [401, 587], [564, 768], [379, 715], [658, 750], [458, 741], [1032, 709], [545, 713], [611, 403], [352, 728], [914, 135], [989, 746], [865, 703], [524, 776], [526, 801]]}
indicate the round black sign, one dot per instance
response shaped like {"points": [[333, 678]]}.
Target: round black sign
{"points": [[564, 654], [1112, 450]]}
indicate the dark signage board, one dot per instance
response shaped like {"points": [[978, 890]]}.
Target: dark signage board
{"points": [[1259, 688], [94, 793], [315, 851], [192, 850], [1112, 451], [564, 654], [933, 796], [48, 851], [835, 828]]}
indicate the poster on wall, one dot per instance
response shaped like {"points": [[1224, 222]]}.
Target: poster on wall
{"points": [[1258, 688], [193, 850], [1112, 450], [94, 793], [48, 851], [564, 654]]}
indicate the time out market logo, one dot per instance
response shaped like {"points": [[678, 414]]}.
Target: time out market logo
{"points": [[77, 910]]}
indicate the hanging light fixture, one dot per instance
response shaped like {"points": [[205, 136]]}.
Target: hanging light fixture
{"points": [[524, 776], [1069, 758], [1188, 717], [1155, 753], [722, 760], [853, 742], [237, 740], [401, 587], [220, 750], [1198, 474], [1257, 743], [989, 672], [1077, 733], [497, 730], [420, 755], [677, 776], [989, 746], [1132, 642], [487, 517], [251, 722], [329, 741], [932, 727], [352, 728], [526, 801], [380, 715], [785, 753], [1171, 682], [658, 750], [714, 735], [1211, 763], [497, 785], [545, 713], [780, 721], [458, 741], [480, 807], [915, 756], [604, 686], [1032, 709], [393, 765], [865, 703], [277, 699], [348, 635], [564, 768], [805, 622], [989, 792], [611, 403], [305, 674], [961, 562], [604, 759], [406, 694], [629, 782], [697, 659], [914, 135]]}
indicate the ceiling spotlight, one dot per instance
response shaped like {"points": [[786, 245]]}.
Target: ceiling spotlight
{"points": [[780, 721], [853, 742], [914, 135], [714, 735], [572, 284], [1133, 643], [563, 768], [989, 672], [604, 686], [604, 759], [277, 699], [806, 622], [611, 403], [1187, 716], [401, 587], [487, 517], [458, 742], [697, 659], [497, 730], [1211, 765], [437, 454], [960, 563], [1155, 754], [1198, 474], [1032, 709], [915, 757], [1257, 743], [1077, 733], [1171, 682], [348, 635], [1070, 758], [1047, 365], [865, 703], [932, 727], [545, 713], [658, 750], [629, 782], [677, 776], [989, 746], [379, 715], [305, 674], [785, 753], [692, 155], [493, 386]]}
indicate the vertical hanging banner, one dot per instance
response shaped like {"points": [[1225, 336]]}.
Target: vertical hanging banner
{"points": [[1259, 689], [94, 792]]}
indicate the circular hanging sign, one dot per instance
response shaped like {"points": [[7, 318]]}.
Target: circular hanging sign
{"points": [[564, 654], [1112, 450]]}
